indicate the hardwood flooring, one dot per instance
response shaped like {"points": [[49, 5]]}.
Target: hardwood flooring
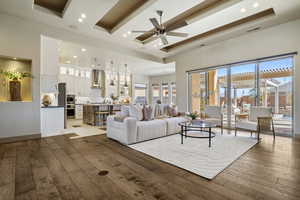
{"points": [[60, 168]]}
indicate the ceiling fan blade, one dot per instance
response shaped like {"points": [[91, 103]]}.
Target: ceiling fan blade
{"points": [[142, 32], [177, 34], [150, 39], [155, 23], [164, 40]]}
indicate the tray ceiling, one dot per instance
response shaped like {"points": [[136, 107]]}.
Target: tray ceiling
{"points": [[57, 6], [205, 21]]}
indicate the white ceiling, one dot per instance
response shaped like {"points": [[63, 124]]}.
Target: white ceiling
{"points": [[94, 9], [70, 52]]}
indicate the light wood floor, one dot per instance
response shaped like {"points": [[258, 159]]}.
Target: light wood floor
{"points": [[60, 168]]}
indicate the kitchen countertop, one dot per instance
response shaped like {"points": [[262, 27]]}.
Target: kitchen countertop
{"points": [[102, 104], [52, 107]]}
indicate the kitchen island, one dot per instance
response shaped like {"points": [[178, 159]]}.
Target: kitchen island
{"points": [[96, 114]]}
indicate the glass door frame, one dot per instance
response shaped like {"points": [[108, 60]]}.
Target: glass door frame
{"points": [[229, 81]]}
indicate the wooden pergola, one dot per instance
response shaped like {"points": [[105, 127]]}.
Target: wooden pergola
{"points": [[238, 81]]}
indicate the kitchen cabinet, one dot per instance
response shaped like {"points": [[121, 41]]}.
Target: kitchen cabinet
{"points": [[78, 111], [52, 120], [49, 84], [78, 80]]}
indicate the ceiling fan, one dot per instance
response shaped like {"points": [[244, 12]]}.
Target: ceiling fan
{"points": [[160, 31]]}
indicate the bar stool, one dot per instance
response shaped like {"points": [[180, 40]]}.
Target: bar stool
{"points": [[115, 109], [101, 115]]}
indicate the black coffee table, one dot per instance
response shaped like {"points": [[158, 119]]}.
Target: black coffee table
{"points": [[197, 126]]}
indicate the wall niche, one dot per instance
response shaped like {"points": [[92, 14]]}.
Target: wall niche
{"points": [[15, 79]]}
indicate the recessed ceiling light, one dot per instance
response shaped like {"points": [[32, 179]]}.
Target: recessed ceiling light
{"points": [[15, 58], [80, 20], [125, 35], [160, 43], [83, 49], [74, 56], [83, 16], [243, 10], [68, 62], [256, 4], [129, 32]]}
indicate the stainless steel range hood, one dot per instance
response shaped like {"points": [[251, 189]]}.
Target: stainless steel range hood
{"points": [[97, 77]]}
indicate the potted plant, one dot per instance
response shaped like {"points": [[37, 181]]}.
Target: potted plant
{"points": [[15, 83], [193, 115]]}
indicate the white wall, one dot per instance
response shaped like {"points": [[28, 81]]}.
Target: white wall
{"points": [[168, 78], [23, 41], [276, 40]]}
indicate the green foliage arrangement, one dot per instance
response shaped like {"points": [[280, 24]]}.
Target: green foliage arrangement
{"points": [[193, 115], [16, 76]]}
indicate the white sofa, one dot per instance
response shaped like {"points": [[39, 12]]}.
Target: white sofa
{"points": [[132, 131]]}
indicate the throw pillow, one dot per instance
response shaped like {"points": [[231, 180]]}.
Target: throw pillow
{"points": [[119, 118], [136, 111], [172, 111], [147, 113]]}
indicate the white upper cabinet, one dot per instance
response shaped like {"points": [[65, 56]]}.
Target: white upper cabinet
{"points": [[49, 56], [78, 79]]}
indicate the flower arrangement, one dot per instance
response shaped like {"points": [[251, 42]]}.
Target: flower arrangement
{"points": [[193, 115], [16, 76], [15, 83]]}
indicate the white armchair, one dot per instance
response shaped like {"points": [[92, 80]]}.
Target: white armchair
{"points": [[124, 132], [214, 114], [257, 116]]}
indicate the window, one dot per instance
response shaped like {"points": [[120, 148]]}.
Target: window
{"points": [[63, 70], [71, 71], [140, 91], [77, 72], [173, 93], [155, 93], [165, 93], [88, 74]]}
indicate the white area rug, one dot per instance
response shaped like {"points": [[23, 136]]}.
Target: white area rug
{"points": [[194, 155]]}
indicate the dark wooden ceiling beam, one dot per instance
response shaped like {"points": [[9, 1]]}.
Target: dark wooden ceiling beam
{"points": [[121, 13], [243, 21], [191, 15]]}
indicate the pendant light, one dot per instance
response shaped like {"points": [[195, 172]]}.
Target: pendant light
{"points": [[126, 84], [112, 82]]}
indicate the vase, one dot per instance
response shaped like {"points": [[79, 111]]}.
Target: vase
{"points": [[15, 90], [46, 101]]}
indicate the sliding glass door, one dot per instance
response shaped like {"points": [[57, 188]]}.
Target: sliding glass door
{"points": [[276, 91], [197, 92], [217, 90], [235, 88], [243, 89]]}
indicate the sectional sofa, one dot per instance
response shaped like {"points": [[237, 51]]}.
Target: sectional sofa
{"points": [[132, 131]]}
